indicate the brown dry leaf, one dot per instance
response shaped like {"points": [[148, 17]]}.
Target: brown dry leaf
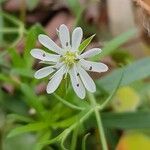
{"points": [[12, 5], [61, 18], [92, 13]]}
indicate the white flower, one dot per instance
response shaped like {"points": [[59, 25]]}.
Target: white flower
{"points": [[67, 60]]}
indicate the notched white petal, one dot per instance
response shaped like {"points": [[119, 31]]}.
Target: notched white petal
{"points": [[42, 55], [64, 36], [76, 38], [55, 80], [90, 53], [86, 79], [93, 66], [76, 83], [50, 44], [44, 72]]}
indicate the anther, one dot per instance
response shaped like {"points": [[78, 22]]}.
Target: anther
{"points": [[77, 74]]}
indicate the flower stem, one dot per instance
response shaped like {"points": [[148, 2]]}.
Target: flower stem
{"points": [[67, 103], [99, 121]]}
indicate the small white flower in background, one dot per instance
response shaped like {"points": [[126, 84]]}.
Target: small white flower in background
{"points": [[68, 60]]}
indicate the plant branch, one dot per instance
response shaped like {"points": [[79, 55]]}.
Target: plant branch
{"points": [[99, 121], [67, 103]]}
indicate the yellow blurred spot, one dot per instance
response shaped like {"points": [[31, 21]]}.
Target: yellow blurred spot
{"points": [[134, 141], [126, 99]]}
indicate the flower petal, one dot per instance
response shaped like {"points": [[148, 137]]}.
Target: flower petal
{"points": [[50, 44], [55, 80], [76, 83], [42, 55], [86, 79], [44, 72], [90, 53], [76, 38], [64, 36], [93, 66]]}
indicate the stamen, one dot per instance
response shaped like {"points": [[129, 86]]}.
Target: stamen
{"points": [[44, 55], [77, 74], [90, 68]]}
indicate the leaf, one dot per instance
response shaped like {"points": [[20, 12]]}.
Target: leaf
{"points": [[31, 99], [30, 43], [66, 122], [22, 142], [6, 78], [133, 72], [115, 43], [25, 72], [74, 6], [44, 137], [136, 120], [104, 104], [28, 128], [85, 43], [16, 117], [16, 59]]}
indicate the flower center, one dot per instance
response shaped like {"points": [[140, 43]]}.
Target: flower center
{"points": [[69, 58]]}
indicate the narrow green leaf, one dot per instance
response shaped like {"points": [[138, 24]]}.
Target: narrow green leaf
{"points": [[74, 6], [85, 43], [16, 59], [104, 104], [28, 128], [6, 79], [30, 43], [31, 99], [16, 117], [66, 122], [115, 43], [25, 72], [133, 72], [44, 137], [130, 120]]}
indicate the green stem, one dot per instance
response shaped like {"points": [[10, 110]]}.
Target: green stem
{"points": [[67, 103], [9, 30], [99, 121], [84, 117]]}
